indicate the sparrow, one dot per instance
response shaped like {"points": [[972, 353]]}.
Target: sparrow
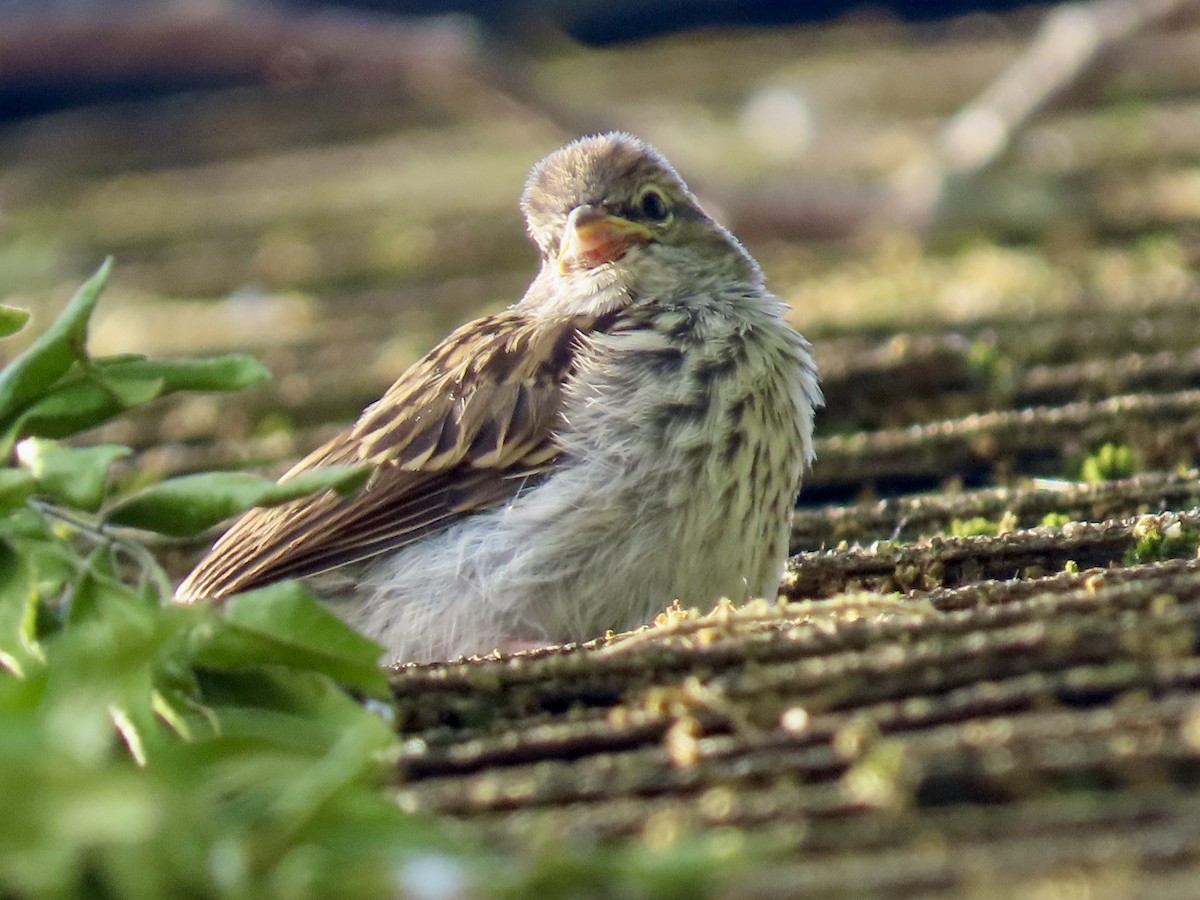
{"points": [[632, 432]]}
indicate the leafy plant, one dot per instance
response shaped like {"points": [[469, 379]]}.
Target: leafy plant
{"points": [[149, 749]]}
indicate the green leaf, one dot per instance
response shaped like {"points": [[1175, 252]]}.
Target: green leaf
{"points": [[53, 562], [79, 402], [12, 320], [91, 396], [73, 476], [18, 609], [218, 373], [16, 486], [130, 390], [49, 357], [70, 407], [187, 506], [283, 624]]}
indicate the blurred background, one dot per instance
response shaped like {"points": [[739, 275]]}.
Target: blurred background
{"points": [[334, 187]]}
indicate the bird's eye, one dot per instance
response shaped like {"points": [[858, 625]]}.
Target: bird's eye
{"points": [[653, 206]]}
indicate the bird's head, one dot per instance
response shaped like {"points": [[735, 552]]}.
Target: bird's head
{"points": [[608, 212]]}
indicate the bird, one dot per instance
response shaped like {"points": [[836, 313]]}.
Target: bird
{"points": [[632, 432]]}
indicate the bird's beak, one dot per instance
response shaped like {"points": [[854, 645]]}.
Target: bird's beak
{"points": [[594, 236]]}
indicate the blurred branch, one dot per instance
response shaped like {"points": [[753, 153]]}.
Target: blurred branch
{"points": [[440, 60], [1072, 42], [235, 42], [1067, 48]]}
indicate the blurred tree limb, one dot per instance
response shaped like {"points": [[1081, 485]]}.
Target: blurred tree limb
{"points": [[1068, 47], [942, 183], [443, 61], [1071, 46]]}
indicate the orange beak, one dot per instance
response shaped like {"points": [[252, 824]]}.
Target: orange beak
{"points": [[594, 237]]}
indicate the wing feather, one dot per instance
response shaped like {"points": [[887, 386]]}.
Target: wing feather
{"points": [[463, 429]]}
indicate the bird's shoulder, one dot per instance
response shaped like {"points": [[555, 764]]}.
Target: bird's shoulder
{"points": [[461, 430], [481, 397]]}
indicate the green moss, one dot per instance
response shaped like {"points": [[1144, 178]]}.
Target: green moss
{"points": [[986, 361], [1110, 462], [274, 422], [1055, 520], [1155, 545], [980, 526]]}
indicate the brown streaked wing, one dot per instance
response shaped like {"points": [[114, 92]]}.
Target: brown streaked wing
{"points": [[462, 430]]}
